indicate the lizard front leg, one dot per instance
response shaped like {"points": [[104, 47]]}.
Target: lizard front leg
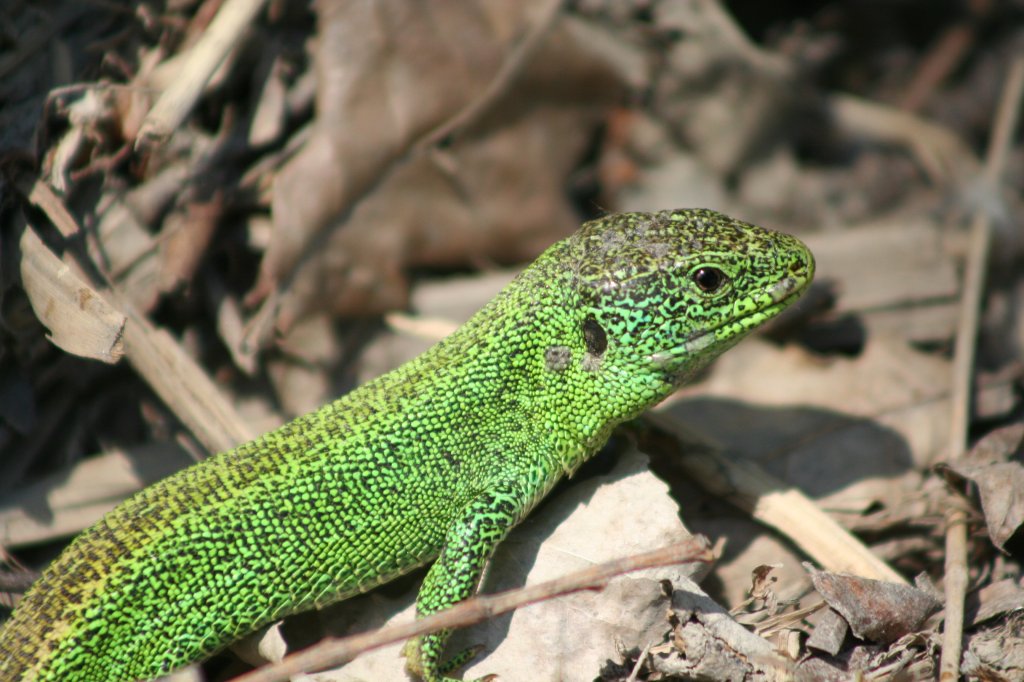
{"points": [[469, 543]]}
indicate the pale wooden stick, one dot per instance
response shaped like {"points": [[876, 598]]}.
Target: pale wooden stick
{"points": [[202, 61]]}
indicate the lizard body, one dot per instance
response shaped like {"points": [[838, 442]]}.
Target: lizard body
{"points": [[434, 461]]}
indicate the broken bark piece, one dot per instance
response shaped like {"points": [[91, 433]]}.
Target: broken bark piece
{"points": [[707, 643], [829, 634]]}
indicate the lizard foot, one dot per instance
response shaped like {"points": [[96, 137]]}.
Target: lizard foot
{"points": [[440, 673]]}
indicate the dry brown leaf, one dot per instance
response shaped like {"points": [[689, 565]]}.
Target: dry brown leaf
{"points": [[494, 193], [188, 235], [994, 466], [876, 611], [497, 198], [763, 579], [389, 72]]}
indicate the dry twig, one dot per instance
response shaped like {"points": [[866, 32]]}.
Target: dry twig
{"points": [[963, 363], [332, 651]]}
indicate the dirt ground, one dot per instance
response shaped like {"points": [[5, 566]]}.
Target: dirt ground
{"points": [[216, 215]]}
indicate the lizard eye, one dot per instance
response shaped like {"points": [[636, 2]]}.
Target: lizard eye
{"points": [[709, 279]]}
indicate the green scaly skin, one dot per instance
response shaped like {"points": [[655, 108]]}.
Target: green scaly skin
{"points": [[438, 459]]}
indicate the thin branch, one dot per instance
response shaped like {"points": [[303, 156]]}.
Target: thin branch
{"points": [[334, 651], [963, 363]]}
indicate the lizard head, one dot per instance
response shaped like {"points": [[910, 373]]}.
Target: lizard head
{"points": [[664, 293]]}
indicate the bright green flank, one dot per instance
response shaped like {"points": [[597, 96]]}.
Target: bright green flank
{"points": [[432, 463]]}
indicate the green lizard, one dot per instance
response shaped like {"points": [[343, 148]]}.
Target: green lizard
{"points": [[435, 461]]}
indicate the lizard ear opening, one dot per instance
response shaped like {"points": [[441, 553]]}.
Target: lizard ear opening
{"points": [[595, 336]]}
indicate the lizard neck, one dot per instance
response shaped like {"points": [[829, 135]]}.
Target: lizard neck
{"points": [[526, 353]]}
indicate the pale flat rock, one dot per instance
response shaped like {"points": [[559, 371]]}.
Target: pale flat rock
{"points": [[604, 517]]}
